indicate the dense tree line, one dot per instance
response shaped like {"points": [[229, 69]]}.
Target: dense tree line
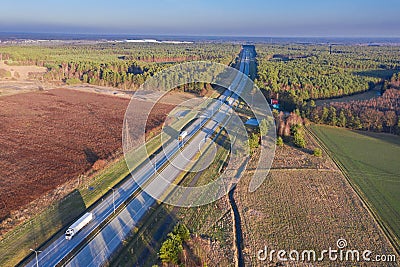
{"points": [[122, 65], [379, 114], [290, 127], [394, 81], [297, 73], [309, 78], [109, 52], [285, 123], [121, 74]]}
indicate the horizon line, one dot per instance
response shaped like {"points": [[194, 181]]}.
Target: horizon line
{"points": [[202, 35]]}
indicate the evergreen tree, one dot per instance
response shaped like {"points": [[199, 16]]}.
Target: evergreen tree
{"points": [[342, 121], [332, 119], [171, 249], [182, 231], [325, 115]]}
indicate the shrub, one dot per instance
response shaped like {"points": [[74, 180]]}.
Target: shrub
{"points": [[72, 81], [182, 231], [263, 127], [171, 249], [298, 135], [279, 141], [4, 73], [317, 152], [254, 142], [299, 140], [99, 164]]}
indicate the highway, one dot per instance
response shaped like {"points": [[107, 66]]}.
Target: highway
{"points": [[95, 249]]}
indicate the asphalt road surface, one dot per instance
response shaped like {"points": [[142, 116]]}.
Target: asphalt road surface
{"points": [[175, 156]]}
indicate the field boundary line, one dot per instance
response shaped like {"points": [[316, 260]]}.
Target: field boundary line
{"points": [[368, 206]]}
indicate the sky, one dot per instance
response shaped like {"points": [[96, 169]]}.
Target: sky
{"points": [[297, 18]]}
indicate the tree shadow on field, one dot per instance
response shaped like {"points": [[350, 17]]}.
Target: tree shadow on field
{"points": [[70, 207], [289, 141], [377, 73], [307, 150], [65, 212], [143, 246], [379, 136], [91, 156], [4, 213], [171, 132]]}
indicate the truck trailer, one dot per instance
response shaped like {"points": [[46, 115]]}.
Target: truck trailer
{"points": [[182, 135], [78, 225]]}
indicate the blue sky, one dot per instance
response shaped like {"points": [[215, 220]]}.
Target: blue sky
{"points": [[205, 17]]}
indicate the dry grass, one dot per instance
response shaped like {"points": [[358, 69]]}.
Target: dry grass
{"points": [[51, 137], [305, 208], [21, 72], [375, 176]]}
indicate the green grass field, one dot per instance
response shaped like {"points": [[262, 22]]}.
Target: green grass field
{"points": [[371, 161]]}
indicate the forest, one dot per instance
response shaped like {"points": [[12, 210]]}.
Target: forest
{"points": [[379, 114], [298, 74], [122, 65]]}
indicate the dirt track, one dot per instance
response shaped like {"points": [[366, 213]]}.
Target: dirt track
{"points": [[50, 137]]}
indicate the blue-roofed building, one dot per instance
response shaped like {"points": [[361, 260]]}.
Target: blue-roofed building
{"points": [[252, 122]]}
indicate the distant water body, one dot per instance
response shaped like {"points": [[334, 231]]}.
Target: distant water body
{"points": [[10, 36]]}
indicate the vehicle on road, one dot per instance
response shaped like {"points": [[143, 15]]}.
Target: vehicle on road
{"points": [[230, 101], [182, 135], [78, 225]]}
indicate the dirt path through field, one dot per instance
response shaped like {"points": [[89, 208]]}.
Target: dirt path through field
{"points": [[20, 73]]}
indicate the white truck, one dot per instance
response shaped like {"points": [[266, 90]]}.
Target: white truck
{"points": [[78, 225], [182, 135]]}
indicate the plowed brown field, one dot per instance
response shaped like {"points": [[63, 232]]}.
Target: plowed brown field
{"points": [[50, 137]]}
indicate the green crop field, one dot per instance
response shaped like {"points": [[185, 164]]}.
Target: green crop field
{"points": [[371, 161]]}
